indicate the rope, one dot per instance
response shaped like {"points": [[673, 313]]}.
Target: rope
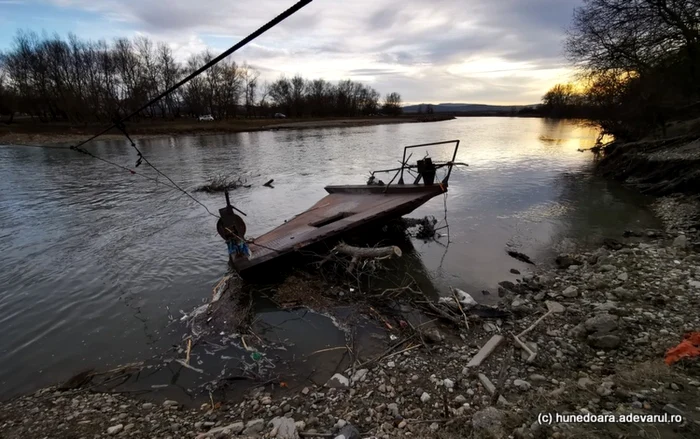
{"points": [[269, 25], [119, 124]]}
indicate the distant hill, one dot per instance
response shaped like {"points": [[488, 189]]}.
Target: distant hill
{"points": [[467, 108]]}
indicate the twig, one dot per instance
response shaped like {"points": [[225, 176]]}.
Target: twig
{"points": [[501, 378], [537, 322], [530, 352], [328, 350], [459, 305], [189, 350]]}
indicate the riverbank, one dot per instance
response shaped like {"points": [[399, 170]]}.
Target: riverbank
{"points": [[623, 305], [658, 166], [25, 132]]}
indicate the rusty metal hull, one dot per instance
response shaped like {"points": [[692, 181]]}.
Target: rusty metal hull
{"points": [[343, 210]]}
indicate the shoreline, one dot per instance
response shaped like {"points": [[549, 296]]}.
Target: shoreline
{"points": [[27, 134], [625, 303]]}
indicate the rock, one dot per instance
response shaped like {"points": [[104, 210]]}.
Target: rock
{"points": [[393, 408], [460, 399], [348, 432], [570, 292], [622, 294], [605, 388], [168, 403], [254, 426], [488, 423], [508, 285], [305, 391], [434, 336], [538, 378], [694, 283], [518, 302], [566, 261], [533, 347], [284, 428], [403, 424], [425, 397], [147, 405], [236, 427], [578, 331], [623, 277], [585, 382], [681, 241], [448, 383], [514, 271], [673, 410], [359, 375], [601, 323], [606, 268], [338, 381], [522, 385], [607, 341], [434, 427], [612, 244], [115, 429], [554, 307]]}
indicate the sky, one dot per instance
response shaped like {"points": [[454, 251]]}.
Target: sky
{"points": [[432, 51]]}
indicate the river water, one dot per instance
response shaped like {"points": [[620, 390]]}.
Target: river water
{"points": [[95, 262]]}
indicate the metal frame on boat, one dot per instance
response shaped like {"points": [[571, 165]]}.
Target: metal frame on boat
{"points": [[345, 209]]}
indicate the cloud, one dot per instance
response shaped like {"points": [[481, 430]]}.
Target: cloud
{"points": [[441, 50]]}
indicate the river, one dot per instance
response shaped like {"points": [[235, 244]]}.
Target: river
{"points": [[95, 262]]}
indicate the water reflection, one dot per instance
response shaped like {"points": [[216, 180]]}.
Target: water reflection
{"points": [[93, 260]]}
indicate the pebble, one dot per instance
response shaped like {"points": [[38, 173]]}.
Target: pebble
{"points": [[425, 397], [448, 383], [115, 429], [522, 384], [570, 292]]}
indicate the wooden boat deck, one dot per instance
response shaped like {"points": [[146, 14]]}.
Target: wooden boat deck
{"points": [[343, 209]]}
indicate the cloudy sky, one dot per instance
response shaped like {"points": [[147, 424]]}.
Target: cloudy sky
{"points": [[482, 51]]}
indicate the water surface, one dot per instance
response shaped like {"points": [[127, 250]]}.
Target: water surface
{"points": [[94, 260]]}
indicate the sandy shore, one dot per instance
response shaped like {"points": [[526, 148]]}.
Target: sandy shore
{"points": [[25, 133]]}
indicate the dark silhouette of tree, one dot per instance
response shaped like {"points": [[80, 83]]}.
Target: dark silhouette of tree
{"points": [[57, 79], [640, 60], [392, 104]]}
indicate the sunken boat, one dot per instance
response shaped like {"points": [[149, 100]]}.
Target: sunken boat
{"points": [[343, 211]]}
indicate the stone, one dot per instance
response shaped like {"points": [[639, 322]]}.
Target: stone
{"points": [[338, 381], [514, 271], [284, 428], [570, 292], [359, 375], [533, 347], [147, 405], [672, 410], [254, 426], [694, 283], [168, 403], [434, 427], [607, 341], [522, 385], [538, 378], [448, 383], [518, 302], [681, 241], [425, 397], [115, 429], [585, 382], [391, 365], [623, 276], [393, 408], [488, 423], [305, 391], [434, 336], [606, 268], [348, 432], [460, 399], [554, 307], [403, 424], [601, 323]]}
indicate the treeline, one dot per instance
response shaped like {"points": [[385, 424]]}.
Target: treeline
{"points": [[56, 79], [639, 64]]}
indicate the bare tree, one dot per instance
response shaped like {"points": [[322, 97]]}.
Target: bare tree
{"points": [[392, 104]]}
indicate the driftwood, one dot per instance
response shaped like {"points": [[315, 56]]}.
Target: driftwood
{"points": [[359, 253], [269, 183]]}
